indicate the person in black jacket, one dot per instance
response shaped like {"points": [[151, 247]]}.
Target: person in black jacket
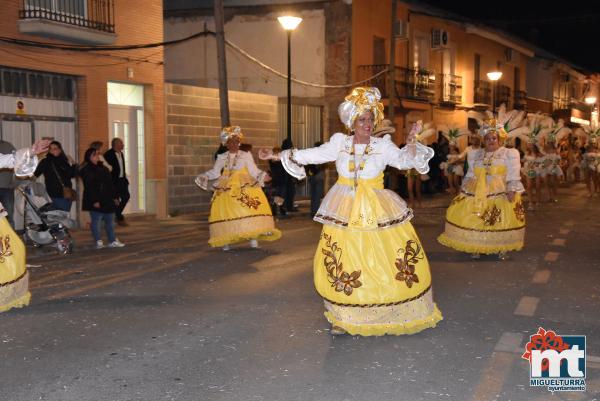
{"points": [[58, 169], [99, 198], [116, 159]]}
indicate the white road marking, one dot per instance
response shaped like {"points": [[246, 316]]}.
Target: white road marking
{"points": [[551, 256], [527, 306], [541, 277]]}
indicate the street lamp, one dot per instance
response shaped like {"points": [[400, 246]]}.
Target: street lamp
{"points": [[494, 76], [289, 23]]}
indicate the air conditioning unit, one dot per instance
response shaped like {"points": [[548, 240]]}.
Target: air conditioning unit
{"points": [[401, 30], [439, 39]]}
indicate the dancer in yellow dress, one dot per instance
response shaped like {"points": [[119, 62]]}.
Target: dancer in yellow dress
{"points": [[14, 278], [488, 216], [370, 267], [239, 209]]}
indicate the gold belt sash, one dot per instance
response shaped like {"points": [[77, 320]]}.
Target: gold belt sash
{"points": [[365, 207], [481, 187]]}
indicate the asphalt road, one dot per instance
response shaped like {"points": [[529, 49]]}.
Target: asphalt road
{"points": [[168, 318]]}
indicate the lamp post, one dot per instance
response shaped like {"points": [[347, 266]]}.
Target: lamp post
{"points": [[289, 23], [591, 101], [494, 76]]}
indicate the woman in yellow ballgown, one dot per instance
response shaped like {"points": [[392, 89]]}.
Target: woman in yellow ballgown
{"points": [[488, 216], [370, 267], [14, 278], [239, 209]]}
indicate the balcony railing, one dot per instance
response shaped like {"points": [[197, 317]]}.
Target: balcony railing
{"points": [[93, 14], [482, 93], [409, 84], [561, 103], [503, 95], [451, 89], [520, 100]]}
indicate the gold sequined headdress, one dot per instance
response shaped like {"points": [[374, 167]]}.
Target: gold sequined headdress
{"points": [[230, 132], [361, 99], [492, 125]]}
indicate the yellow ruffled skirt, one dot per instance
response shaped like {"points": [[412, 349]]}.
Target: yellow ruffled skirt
{"points": [[497, 227], [240, 213], [14, 279], [374, 280]]}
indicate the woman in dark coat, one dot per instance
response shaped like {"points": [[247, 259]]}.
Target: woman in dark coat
{"points": [[99, 198], [58, 171]]}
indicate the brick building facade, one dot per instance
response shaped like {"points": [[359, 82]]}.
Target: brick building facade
{"points": [[29, 74]]}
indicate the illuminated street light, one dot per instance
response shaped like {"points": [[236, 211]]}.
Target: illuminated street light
{"points": [[494, 76], [289, 23]]}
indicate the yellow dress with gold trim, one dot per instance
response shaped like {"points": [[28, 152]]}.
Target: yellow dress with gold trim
{"points": [[14, 278], [370, 267], [481, 219], [239, 209]]}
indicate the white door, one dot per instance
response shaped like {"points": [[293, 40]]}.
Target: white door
{"points": [[126, 123]]}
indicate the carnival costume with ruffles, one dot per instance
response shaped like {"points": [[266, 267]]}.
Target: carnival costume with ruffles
{"points": [[14, 278], [239, 209], [369, 267], [481, 219]]}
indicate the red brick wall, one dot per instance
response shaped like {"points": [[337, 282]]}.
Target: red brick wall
{"points": [[137, 21]]}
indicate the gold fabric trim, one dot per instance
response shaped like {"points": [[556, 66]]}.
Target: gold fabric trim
{"points": [[406, 217], [487, 239], [407, 263], [381, 305], [239, 218], [520, 211], [15, 280], [483, 231], [491, 216], [339, 279], [489, 195], [249, 224], [5, 249]]}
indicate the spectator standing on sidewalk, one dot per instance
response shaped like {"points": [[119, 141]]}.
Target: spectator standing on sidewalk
{"points": [[99, 198], [116, 159], [99, 146], [58, 170]]}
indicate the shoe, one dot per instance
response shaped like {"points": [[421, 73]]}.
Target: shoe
{"points": [[253, 243], [116, 244], [337, 331], [122, 223], [475, 256], [226, 248], [502, 256], [99, 244]]}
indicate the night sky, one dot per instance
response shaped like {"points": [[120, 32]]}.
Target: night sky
{"points": [[570, 30]]}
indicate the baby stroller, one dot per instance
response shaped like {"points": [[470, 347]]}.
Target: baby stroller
{"points": [[43, 223]]}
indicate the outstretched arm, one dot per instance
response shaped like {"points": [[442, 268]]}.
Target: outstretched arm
{"points": [[294, 160], [212, 174], [414, 155]]}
